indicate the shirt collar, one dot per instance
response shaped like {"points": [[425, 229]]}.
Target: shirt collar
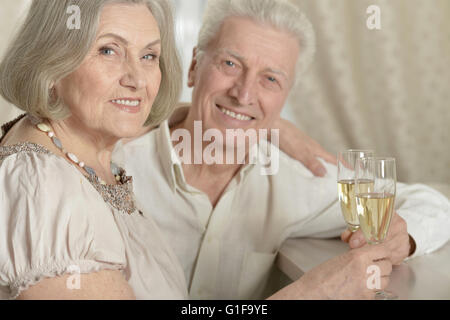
{"points": [[171, 163]]}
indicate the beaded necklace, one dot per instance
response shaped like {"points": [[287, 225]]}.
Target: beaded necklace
{"points": [[73, 158]]}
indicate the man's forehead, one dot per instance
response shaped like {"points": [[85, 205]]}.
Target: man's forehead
{"points": [[245, 39]]}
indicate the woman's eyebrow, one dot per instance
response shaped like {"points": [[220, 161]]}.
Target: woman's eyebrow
{"points": [[124, 41]]}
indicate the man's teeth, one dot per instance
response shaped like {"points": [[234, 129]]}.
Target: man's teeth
{"points": [[235, 115], [129, 103]]}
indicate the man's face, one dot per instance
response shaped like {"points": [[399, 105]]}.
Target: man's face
{"points": [[244, 77]]}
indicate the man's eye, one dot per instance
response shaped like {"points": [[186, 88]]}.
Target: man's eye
{"points": [[107, 51], [229, 63], [271, 83]]}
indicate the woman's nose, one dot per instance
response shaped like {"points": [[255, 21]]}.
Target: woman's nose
{"points": [[134, 77]]}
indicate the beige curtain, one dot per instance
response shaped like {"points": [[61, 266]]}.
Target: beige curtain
{"points": [[386, 89]]}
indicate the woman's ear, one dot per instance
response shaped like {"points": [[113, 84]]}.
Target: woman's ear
{"points": [[192, 69], [52, 92]]}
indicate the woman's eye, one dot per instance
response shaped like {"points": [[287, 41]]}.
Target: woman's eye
{"points": [[272, 79], [107, 51], [150, 57]]}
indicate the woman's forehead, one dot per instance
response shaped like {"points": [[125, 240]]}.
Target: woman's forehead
{"points": [[129, 21]]}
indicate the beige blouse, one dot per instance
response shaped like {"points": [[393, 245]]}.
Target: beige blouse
{"points": [[54, 220]]}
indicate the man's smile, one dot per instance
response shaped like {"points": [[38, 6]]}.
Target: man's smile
{"points": [[234, 115]]}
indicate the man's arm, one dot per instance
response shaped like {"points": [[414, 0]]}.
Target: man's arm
{"points": [[303, 148], [423, 219]]}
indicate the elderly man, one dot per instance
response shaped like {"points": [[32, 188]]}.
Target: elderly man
{"points": [[227, 221]]}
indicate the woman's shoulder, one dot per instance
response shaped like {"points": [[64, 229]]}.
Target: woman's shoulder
{"points": [[22, 132], [32, 163], [34, 181], [51, 219], [43, 191]]}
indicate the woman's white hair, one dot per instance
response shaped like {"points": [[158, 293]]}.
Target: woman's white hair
{"points": [[280, 14], [46, 51]]}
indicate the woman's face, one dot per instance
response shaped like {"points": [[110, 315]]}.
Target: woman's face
{"points": [[112, 92]]}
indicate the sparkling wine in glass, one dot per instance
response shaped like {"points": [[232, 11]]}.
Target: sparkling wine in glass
{"points": [[375, 205], [346, 184]]}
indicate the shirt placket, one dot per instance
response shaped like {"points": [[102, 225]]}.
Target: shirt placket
{"points": [[205, 275]]}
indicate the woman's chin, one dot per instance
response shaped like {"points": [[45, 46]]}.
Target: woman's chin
{"points": [[130, 134], [129, 130]]}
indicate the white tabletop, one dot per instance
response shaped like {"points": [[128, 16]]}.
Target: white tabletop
{"points": [[422, 278]]}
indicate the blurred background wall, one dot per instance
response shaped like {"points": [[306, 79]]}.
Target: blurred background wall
{"points": [[386, 89]]}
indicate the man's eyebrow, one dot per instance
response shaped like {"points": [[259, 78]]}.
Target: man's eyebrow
{"points": [[279, 72], [233, 54], [124, 41], [242, 59]]}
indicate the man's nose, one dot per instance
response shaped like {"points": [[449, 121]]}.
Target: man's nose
{"points": [[244, 90], [134, 77]]}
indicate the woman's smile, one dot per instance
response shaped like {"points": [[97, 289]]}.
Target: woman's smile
{"points": [[130, 105]]}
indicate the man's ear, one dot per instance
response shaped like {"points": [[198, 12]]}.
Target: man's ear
{"points": [[192, 69]]}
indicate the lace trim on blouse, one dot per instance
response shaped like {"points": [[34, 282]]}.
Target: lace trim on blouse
{"points": [[119, 196]]}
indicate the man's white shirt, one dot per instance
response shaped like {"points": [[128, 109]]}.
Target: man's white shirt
{"points": [[227, 252]]}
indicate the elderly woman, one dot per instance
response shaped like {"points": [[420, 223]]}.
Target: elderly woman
{"points": [[64, 208]]}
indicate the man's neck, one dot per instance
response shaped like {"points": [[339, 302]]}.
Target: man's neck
{"points": [[209, 178], [186, 122]]}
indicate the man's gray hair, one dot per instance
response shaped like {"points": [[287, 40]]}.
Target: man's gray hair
{"points": [[280, 14]]}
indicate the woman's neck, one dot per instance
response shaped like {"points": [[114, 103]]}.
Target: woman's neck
{"points": [[91, 147]]}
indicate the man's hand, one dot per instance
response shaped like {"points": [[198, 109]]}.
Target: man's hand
{"points": [[348, 276], [299, 146], [397, 240]]}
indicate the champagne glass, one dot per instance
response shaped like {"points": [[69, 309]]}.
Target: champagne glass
{"points": [[375, 204], [346, 184]]}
